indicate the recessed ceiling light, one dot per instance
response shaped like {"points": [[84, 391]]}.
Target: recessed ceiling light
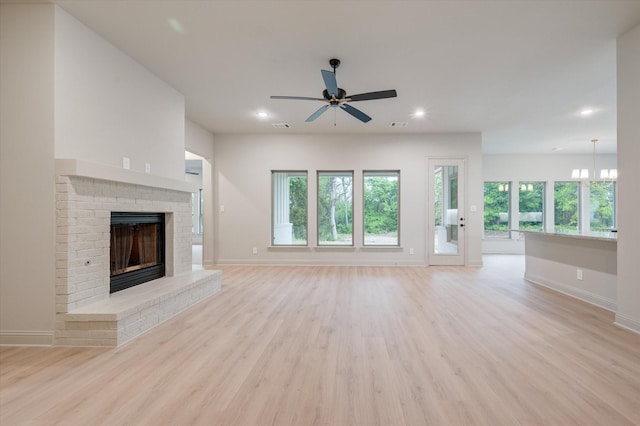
{"points": [[262, 114], [419, 113], [586, 112]]}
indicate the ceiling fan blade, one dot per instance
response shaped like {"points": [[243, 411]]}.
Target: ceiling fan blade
{"points": [[317, 114], [356, 113], [372, 95], [303, 98], [329, 78]]}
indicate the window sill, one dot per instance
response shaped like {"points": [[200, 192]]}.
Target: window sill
{"points": [[381, 248], [336, 248], [289, 248]]}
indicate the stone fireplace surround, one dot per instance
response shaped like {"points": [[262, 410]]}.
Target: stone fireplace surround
{"points": [[86, 314]]}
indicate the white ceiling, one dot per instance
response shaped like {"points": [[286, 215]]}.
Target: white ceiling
{"points": [[520, 72]]}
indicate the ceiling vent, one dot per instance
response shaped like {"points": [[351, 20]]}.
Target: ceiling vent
{"points": [[281, 125], [398, 124]]}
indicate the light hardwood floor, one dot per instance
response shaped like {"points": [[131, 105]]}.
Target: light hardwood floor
{"points": [[347, 346]]}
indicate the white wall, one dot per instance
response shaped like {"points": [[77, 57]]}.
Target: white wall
{"points": [[108, 106], [66, 93], [242, 171], [553, 260], [200, 141], [27, 207], [628, 159], [541, 168]]}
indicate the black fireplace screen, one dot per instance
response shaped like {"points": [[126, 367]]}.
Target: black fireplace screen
{"points": [[137, 249]]}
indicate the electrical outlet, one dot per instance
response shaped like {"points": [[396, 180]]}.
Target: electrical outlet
{"points": [[411, 251], [579, 274], [255, 250]]}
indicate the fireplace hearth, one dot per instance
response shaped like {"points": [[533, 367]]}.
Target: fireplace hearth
{"points": [[137, 252]]}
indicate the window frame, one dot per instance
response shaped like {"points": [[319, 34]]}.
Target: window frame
{"points": [[380, 173], [579, 215], [509, 188], [289, 173], [319, 174], [614, 204], [544, 202]]}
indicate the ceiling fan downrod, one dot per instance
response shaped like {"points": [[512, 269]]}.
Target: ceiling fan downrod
{"points": [[335, 63]]}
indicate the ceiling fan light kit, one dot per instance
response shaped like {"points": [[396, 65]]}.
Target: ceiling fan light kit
{"points": [[335, 97]]}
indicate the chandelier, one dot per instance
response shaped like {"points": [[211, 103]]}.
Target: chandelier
{"points": [[605, 174]]}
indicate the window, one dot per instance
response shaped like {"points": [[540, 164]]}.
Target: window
{"points": [[602, 206], [531, 205], [196, 214], [200, 212], [496, 209], [566, 207], [335, 208], [289, 225], [381, 207]]}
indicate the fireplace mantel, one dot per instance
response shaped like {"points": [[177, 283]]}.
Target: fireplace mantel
{"points": [[88, 169]]}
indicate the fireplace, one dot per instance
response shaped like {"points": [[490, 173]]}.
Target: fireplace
{"points": [[137, 252], [86, 198]]}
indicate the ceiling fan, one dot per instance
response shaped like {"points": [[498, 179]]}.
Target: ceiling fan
{"points": [[335, 97]]}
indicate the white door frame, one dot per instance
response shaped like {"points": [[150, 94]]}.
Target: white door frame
{"points": [[459, 221]]}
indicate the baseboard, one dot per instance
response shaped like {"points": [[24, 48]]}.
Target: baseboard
{"points": [[585, 296], [315, 262], [627, 323], [26, 338]]}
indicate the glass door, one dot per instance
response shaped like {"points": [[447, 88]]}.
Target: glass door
{"points": [[446, 212]]}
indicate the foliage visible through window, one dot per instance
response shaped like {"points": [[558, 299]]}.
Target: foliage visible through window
{"points": [[335, 208], [496, 209], [566, 207], [602, 206], [531, 205], [289, 208], [381, 208], [445, 209], [438, 213]]}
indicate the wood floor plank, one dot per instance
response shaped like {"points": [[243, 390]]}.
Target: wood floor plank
{"points": [[341, 345]]}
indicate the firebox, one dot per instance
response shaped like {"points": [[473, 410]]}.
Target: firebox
{"points": [[137, 249]]}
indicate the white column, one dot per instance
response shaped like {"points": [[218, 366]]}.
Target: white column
{"points": [[628, 313], [585, 207], [514, 206], [282, 228], [549, 206]]}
